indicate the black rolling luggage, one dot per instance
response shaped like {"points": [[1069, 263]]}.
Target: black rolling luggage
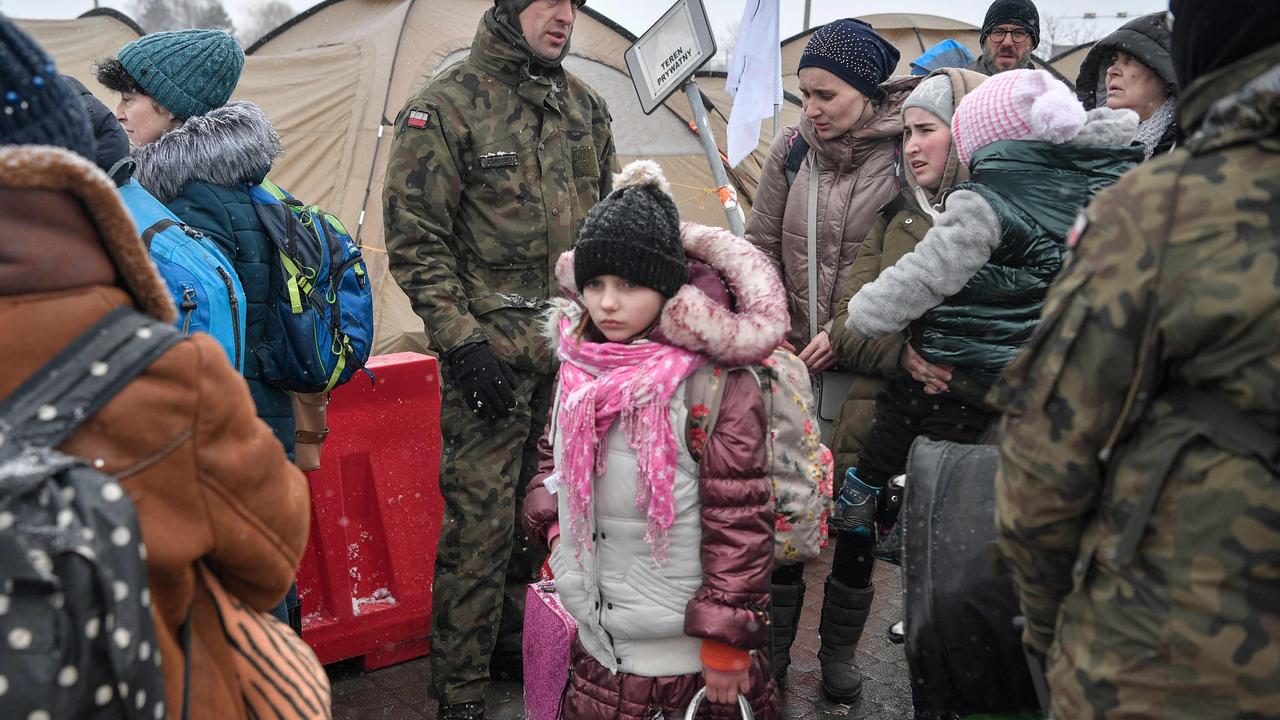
{"points": [[963, 649]]}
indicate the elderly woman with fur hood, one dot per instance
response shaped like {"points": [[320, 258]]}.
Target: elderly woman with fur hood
{"points": [[197, 153]]}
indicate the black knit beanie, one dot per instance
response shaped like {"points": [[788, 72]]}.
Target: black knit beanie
{"points": [[1211, 35], [852, 51], [36, 105], [633, 233], [1013, 12]]}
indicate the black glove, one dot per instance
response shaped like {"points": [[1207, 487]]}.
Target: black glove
{"points": [[485, 381]]}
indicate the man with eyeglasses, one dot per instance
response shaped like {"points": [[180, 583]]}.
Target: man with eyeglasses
{"points": [[1010, 32]]}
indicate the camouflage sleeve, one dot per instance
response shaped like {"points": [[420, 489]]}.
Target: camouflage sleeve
{"points": [[420, 197], [608, 155], [1060, 400]]}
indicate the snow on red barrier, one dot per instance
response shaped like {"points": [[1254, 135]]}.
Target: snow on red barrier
{"points": [[365, 579]]}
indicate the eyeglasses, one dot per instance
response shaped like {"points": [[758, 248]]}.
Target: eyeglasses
{"points": [[1019, 36]]}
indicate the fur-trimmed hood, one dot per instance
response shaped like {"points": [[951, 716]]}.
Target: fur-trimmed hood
{"points": [[37, 167], [231, 145], [700, 317]]}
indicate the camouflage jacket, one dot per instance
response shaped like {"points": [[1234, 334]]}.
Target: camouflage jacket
{"points": [[1173, 284], [491, 173]]}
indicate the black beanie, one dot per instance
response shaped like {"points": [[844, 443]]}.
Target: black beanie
{"points": [[36, 105], [1013, 12], [852, 51], [1211, 35], [634, 233]]}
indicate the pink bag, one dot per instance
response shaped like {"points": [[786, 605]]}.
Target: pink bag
{"points": [[549, 631]]}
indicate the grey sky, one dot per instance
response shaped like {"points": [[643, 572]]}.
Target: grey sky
{"points": [[636, 15]]}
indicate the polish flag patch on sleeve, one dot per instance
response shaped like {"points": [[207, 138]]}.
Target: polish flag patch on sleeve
{"points": [[417, 119]]}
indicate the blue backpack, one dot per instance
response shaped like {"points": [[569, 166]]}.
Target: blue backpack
{"points": [[322, 301], [203, 284]]}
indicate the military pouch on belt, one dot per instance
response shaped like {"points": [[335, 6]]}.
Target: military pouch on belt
{"points": [[1200, 415]]}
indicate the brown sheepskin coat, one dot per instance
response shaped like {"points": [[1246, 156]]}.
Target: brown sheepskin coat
{"points": [[208, 478]]}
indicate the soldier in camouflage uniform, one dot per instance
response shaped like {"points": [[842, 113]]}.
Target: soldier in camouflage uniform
{"points": [[1138, 499], [494, 165]]}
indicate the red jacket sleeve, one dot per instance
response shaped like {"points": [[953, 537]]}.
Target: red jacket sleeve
{"points": [[737, 524]]}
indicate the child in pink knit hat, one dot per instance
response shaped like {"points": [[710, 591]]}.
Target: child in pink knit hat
{"points": [[972, 289], [969, 294]]}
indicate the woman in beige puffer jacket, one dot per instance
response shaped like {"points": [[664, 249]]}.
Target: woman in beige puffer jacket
{"points": [[852, 127], [857, 175]]}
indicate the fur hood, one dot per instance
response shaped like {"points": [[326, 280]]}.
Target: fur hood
{"points": [[700, 317], [37, 167], [228, 146]]}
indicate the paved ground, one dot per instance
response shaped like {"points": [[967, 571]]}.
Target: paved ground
{"points": [[400, 692]]}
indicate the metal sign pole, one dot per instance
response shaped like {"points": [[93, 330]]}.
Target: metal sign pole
{"points": [[728, 196]]}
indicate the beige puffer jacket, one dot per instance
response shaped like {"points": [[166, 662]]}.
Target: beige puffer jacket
{"points": [[857, 174]]}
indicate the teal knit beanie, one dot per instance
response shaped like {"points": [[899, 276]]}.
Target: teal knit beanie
{"points": [[189, 72]]}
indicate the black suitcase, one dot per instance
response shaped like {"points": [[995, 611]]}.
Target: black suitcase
{"points": [[963, 648]]}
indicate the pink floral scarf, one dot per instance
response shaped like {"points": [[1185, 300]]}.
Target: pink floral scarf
{"points": [[600, 383]]}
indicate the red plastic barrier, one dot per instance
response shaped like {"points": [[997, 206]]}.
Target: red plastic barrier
{"points": [[365, 580]]}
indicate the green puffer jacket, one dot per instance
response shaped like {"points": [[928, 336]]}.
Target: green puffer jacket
{"points": [[900, 225], [1036, 189]]}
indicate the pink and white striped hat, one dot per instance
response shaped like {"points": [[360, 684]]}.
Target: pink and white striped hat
{"points": [[1016, 105]]}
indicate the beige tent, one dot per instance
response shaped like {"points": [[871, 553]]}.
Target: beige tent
{"points": [[76, 44], [912, 34], [333, 78], [1068, 63]]}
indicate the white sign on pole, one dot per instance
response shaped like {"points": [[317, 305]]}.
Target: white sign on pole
{"points": [[670, 52]]}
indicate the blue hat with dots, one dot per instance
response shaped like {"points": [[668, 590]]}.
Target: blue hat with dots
{"points": [[852, 51], [36, 106]]}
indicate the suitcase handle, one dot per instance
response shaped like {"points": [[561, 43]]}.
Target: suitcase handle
{"points": [[743, 705]]}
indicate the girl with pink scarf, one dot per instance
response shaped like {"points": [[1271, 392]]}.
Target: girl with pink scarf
{"points": [[661, 540]]}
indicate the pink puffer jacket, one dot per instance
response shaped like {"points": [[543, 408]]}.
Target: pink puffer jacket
{"points": [[857, 175]]}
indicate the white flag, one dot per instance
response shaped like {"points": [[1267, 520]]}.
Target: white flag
{"points": [[755, 77]]}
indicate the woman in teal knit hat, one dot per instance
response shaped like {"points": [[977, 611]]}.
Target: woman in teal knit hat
{"points": [[199, 154]]}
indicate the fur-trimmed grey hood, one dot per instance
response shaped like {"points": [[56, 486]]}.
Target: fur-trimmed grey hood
{"points": [[231, 145]]}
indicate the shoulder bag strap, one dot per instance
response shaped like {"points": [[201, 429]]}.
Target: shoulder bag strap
{"points": [[812, 231], [73, 386]]}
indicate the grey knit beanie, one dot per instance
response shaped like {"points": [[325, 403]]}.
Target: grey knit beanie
{"points": [[634, 233], [933, 95]]}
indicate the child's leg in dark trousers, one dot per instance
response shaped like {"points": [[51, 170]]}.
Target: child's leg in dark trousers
{"points": [[787, 602], [903, 412]]}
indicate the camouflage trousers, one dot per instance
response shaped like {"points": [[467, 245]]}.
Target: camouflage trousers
{"points": [[483, 563]]}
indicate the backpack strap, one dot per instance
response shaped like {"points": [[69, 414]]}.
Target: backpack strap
{"points": [[797, 148], [1213, 418], [73, 386], [705, 388]]}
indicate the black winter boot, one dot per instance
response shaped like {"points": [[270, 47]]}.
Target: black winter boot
{"points": [[462, 711], [844, 615], [788, 601]]}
